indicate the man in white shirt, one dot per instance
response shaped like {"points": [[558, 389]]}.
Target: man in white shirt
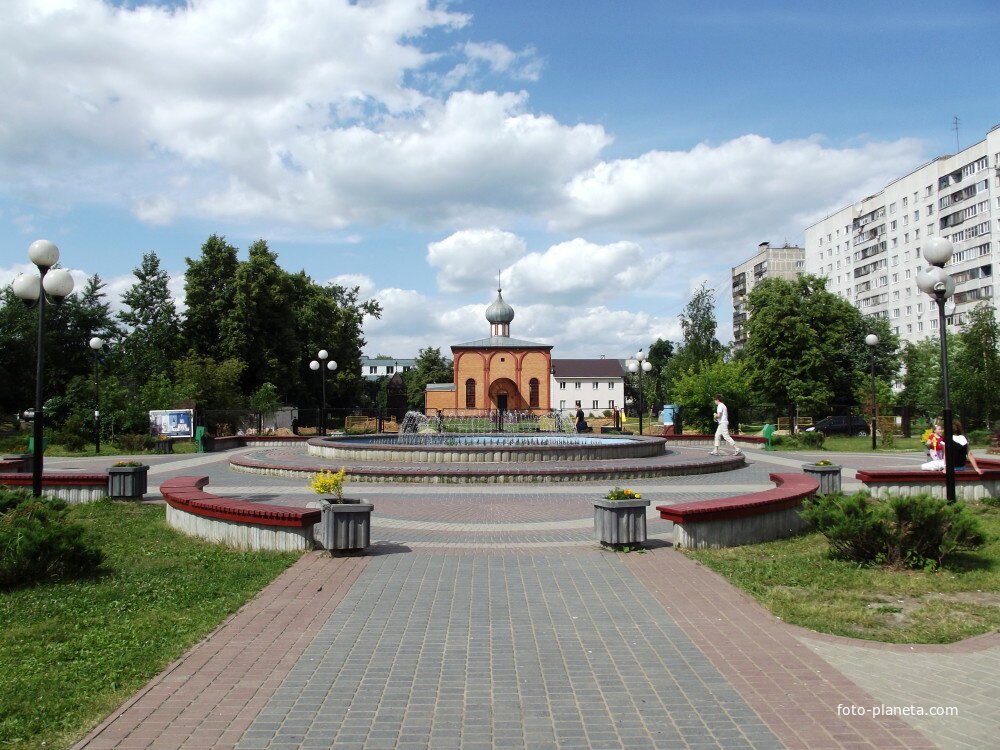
{"points": [[722, 431]]}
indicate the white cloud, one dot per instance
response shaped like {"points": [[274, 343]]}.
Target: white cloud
{"points": [[584, 272], [157, 210], [711, 196], [293, 111], [467, 260], [366, 287]]}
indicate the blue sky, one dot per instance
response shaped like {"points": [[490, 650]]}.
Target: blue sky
{"points": [[606, 157]]}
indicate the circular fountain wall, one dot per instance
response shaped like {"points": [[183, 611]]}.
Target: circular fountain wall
{"points": [[479, 448]]}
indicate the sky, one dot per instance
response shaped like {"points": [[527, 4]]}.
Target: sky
{"points": [[606, 158]]}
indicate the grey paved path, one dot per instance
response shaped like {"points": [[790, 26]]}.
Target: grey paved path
{"points": [[487, 617]]}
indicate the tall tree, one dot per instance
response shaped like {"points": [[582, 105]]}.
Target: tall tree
{"points": [[261, 331], [975, 374], [330, 317], [806, 345], [921, 378], [153, 339], [209, 286], [699, 347]]}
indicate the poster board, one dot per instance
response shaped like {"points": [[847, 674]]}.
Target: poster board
{"points": [[172, 423]]}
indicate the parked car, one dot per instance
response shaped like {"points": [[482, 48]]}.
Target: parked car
{"points": [[841, 426]]}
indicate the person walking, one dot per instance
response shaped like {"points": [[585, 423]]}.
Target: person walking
{"points": [[722, 431]]}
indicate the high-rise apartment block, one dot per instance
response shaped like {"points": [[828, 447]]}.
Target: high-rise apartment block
{"points": [[769, 262], [870, 251]]}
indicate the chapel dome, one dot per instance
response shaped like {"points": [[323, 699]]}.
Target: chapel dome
{"points": [[499, 312]]}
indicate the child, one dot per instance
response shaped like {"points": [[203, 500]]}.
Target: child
{"points": [[935, 450]]}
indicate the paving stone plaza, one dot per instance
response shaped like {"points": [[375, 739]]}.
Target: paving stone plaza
{"points": [[487, 616]]}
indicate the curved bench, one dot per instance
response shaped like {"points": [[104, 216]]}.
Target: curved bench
{"points": [[743, 519], [236, 523], [968, 484]]}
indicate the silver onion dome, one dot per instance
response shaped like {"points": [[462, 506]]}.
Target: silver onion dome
{"points": [[499, 312]]}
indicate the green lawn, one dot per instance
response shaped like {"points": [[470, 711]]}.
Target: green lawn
{"points": [[70, 653], [797, 581]]}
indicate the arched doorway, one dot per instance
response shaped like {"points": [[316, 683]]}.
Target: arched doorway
{"points": [[504, 395]]}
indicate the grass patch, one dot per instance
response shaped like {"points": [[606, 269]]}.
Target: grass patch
{"points": [[71, 653], [797, 581]]}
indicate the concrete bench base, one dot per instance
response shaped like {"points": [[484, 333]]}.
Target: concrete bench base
{"points": [[743, 519], [236, 523], [905, 482], [70, 488]]}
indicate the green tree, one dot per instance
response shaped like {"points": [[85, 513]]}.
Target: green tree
{"points": [[975, 372], [806, 347], [261, 331], [265, 402], [429, 367], [209, 288], [330, 317], [153, 338], [699, 345], [696, 388], [921, 379], [655, 384]]}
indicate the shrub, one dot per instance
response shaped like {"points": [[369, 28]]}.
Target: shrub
{"points": [[134, 443], [918, 531], [38, 543], [71, 440], [979, 437], [813, 439]]}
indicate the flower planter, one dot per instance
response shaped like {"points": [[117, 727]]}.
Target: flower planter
{"points": [[618, 522], [163, 446], [827, 476], [127, 481], [344, 527]]}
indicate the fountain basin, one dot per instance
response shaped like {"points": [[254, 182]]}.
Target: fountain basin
{"points": [[471, 448]]}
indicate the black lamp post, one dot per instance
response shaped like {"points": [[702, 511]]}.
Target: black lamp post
{"points": [[939, 284], [323, 355], [33, 290], [97, 345], [872, 340], [640, 365]]}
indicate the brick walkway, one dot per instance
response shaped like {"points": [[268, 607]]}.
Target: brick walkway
{"points": [[487, 617]]}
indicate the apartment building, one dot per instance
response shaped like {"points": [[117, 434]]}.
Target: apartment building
{"points": [[870, 251], [769, 262]]}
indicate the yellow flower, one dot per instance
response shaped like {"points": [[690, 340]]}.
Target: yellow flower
{"points": [[329, 483]]}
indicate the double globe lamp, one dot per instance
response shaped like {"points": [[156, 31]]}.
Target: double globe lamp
{"points": [[49, 285], [939, 284], [316, 364], [640, 365]]}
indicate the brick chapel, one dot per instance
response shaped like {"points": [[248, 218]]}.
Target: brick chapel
{"points": [[495, 373]]}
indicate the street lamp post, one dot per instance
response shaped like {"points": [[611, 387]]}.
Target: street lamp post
{"points": [[939, 284], [323, 355], [872, 340], [32, 290], [97, 344], [640, 365]]}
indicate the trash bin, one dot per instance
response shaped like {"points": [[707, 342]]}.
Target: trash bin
{"points": [[199, 439]]}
